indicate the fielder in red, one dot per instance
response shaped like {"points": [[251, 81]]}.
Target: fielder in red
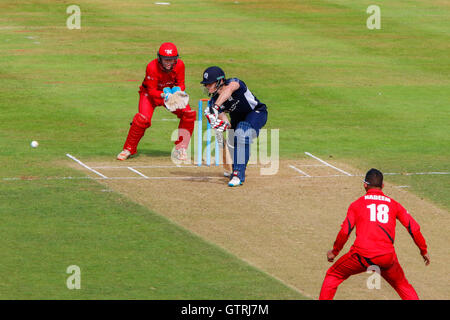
{"points": [[165, 72], [374, 216]]}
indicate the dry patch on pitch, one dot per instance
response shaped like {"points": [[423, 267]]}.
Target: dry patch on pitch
{"points": [[282, 224]]}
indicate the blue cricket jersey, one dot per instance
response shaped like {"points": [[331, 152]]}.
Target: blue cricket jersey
{"points": [[241, 102]]}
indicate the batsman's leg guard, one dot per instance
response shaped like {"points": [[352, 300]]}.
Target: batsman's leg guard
{"points": [[137, 129], [243, 136], [186, 126]]}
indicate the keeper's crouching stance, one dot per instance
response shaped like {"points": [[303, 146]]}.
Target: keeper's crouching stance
{"points": [[247, 116], [142, 121], [164, 85]]}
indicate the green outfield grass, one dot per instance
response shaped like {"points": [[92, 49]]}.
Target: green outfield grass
{"points": [[370, 98], [123, 250]]}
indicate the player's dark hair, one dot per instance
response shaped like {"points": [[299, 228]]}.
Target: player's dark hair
{"points": [[374, 178]]}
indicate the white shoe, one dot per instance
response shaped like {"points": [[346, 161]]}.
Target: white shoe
{"points": [[124, 155], [235, 182], [227, 174], [181, 154]]}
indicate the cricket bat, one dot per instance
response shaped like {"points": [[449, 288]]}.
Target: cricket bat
{"points": [[227, 162], [226, 157]]}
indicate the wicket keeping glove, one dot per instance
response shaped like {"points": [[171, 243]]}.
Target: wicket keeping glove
{"points": [[177, 100], [175, 89], [166, 93]]}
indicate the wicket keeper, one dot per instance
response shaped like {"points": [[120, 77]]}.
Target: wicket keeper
{"points": [[164, 81]]}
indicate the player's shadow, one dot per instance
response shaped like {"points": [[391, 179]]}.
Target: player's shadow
{"points": [[215, 178], [153, 153]]}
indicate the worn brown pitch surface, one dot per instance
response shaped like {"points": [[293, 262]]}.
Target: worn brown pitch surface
{"points": [[284, 223]]}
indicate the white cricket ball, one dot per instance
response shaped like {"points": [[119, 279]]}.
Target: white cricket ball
{"points": [[34, 144]]}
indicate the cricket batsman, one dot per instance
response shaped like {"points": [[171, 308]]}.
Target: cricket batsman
{"points": [[164, 85], [247, 116], [374, 215]]}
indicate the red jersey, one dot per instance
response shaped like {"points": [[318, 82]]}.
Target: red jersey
{"points": [[156, 79], [374, 215]]}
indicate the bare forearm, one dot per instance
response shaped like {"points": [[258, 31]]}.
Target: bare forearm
{"points": [[223, 117], [224, 96]]}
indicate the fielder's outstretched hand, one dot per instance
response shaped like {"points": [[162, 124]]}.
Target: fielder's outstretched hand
{"points": [[330, 256], [426, 258]]}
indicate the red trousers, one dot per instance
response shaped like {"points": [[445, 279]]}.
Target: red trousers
{"points": [[142, 120], [352, 263]]}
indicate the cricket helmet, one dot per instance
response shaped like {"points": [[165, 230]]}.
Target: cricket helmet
{"points": [[212, 74], [168, 51]]}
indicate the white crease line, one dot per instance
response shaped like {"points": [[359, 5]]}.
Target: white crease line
{"points": [[329, 165], [144, 167], [329, 176], [166, 178], [109, 178], [161, 178], [205, 177], [415, 173], [298, 170], [87, 167], [139, 173], [163, 166], [311, 165]]}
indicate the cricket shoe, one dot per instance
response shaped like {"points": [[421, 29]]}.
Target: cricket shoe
{"points": [[227, 174], [235, 182], [124, 155]]}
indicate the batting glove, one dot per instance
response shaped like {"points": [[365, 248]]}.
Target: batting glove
{"points": [[215, 108], [220, 125], [211, 118], [212, 114]]}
